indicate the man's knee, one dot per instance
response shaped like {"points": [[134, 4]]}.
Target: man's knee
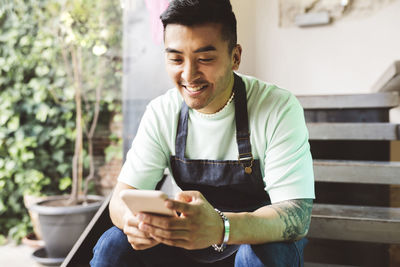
{"points": [[113, 238], [271, 254], [112, 245]]}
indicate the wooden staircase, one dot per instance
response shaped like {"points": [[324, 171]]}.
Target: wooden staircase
{"points": [[353, 221]]}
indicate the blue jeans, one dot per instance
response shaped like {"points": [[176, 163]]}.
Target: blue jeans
{"points": [[114, 250]]}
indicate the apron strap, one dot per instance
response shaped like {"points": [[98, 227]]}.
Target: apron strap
{"points": [[181, 133], [242, 123]]}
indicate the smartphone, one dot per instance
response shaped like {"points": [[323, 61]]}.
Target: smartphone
{"points": [[151, 201]]}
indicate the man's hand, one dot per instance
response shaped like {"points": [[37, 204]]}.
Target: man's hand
{"points": [[138, 239], [198, 226]]}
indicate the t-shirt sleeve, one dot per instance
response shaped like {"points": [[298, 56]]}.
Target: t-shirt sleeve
{"points": [[288, 162], [145, 160]]}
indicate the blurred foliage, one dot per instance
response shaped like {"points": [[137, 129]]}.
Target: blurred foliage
{"points": [[37, 108]]}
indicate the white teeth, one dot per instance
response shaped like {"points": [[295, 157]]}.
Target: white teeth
{"points": [[194, 89]]}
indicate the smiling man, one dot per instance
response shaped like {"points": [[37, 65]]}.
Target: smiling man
{"points": [[236, 146], [200, 64]]}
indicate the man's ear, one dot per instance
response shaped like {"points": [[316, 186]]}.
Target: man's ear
{"points": [[236, 56]]}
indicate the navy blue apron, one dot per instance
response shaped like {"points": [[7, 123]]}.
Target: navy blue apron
{"points": [[229, 185]]}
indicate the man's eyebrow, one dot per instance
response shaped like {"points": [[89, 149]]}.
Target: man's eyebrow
{"points": [[199, 50], [171, 50], [205, 49]]}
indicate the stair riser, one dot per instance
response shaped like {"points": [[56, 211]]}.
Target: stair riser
{"points": [[347, 115], [361, 230]]}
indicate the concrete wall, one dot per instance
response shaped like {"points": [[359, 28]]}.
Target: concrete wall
{"points": [[345, 57], [144, 72]]}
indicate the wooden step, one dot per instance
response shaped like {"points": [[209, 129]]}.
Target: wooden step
{"points": [[353, 131], [390, 79], [366, 172], [375, 100], [355, 223], [314, 264]]}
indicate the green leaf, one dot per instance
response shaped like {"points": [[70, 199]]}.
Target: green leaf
{"points": [[2, 206], [42, 70], [113, 152], [69, 92], [13, 123], [19, 178], [118, 118], [26, 156], [19, 231], [58, 156], [42, 113], [10, 165], [2, 184], [57, 132], [3, 240], [65, 183], [13, 151], [24, 41], [35, 84], [39, 95], [63, 168]]}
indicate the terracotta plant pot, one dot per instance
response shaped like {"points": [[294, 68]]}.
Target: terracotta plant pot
{"points": [[33, 241]]}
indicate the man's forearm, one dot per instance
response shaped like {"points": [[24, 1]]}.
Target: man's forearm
{"points": [[296, 217], [117, 208], [284, 221], [117, 211]]}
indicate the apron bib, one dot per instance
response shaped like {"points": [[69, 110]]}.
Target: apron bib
{"points": [[229, 185]]}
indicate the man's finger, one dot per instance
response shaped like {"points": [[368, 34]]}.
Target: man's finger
{"points": [[188, 196], [135, 232], [173, 243], [181, 207], [163, 222], [140, 241], [168, 234], [141, 245], [131, 219]]}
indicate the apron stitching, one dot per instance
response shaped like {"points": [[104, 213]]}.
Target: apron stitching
{"points": [[208, 162]]}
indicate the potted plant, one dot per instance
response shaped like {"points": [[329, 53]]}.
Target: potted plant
{"points": [[86, 59]]}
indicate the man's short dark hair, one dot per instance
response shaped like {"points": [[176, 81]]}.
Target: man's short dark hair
{"points": [[197, 12]]}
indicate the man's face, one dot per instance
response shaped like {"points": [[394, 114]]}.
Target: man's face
{"points": [[200, 64]]}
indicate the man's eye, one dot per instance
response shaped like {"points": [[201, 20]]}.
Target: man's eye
{"points": [[175, 60], [206, 59]]}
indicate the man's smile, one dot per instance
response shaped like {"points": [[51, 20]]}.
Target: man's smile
{"points": [[194, 90]]}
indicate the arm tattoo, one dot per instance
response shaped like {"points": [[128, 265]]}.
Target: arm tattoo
{"points": [[296, 216]]}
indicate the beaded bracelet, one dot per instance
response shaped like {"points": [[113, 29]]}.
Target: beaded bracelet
{"points": [[221, 247]]}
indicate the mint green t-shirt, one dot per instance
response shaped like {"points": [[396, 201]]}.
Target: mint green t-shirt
{"points": [[278, 136]]}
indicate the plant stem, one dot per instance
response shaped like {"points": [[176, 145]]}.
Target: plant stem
{"points": [[77, 162], [90, 134]]}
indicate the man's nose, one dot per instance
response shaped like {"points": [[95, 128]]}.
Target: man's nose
{"points": [[190, 72]]}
